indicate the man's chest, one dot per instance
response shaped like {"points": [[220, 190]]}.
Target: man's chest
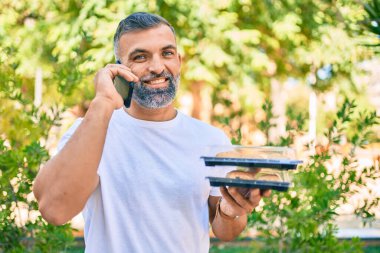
{"points": [[167, 170]]}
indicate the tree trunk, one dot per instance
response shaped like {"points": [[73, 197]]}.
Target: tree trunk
{"points": [[196, 88], [278, 98], [312, 119], [38, 87]]}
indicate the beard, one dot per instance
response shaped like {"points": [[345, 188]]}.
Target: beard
{"points": [[154, 98]]}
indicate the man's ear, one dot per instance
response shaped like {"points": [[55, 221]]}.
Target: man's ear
{"points": [[180, 59]]}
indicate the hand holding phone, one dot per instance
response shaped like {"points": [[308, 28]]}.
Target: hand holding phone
{"points": [[124, 88]]}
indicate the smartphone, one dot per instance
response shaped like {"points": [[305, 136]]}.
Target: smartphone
{"points": [[124, 88]]}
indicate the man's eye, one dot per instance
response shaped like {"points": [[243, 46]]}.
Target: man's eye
{"points": [[168, 53], [139, 57]]}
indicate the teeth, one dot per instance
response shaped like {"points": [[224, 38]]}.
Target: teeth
{"points": [[157, 81]]}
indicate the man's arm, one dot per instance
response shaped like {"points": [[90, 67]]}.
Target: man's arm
{"points": [[224, 227], [64, 184]]}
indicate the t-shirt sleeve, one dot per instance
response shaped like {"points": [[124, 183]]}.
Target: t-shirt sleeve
{"points": [[220, 171], [66, 137]]}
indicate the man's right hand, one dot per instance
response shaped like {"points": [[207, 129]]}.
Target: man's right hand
{"points": [[104, 86]]}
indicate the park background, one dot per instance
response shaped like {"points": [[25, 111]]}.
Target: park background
{"points": [[297, 73]]}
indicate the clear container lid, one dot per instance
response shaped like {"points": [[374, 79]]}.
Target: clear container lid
{"points": [[250, 156]]}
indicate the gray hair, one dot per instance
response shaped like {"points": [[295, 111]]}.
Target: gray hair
{"points": [[137, 21]]}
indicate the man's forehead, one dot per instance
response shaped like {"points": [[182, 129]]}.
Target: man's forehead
{"points": [[159, 36]]}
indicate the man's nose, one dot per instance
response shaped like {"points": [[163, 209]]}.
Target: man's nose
{"points": [[156, 66]]}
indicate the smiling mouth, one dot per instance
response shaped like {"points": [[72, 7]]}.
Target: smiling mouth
{"points": [[156, 82]]}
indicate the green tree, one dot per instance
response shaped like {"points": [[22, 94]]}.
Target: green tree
{"points": [[25, 128], [302, 219], [235, 52], [372, 21]]}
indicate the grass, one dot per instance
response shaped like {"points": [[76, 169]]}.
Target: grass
{"points": [[242, 246], [237, 249], [230, 249], [246, 249]]}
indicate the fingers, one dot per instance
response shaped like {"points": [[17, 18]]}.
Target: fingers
{"points": [[238, 203], [266, 193], [254, 197], [253, 194], [122, 70], [104, 85], [242, 200], [229, 205]]}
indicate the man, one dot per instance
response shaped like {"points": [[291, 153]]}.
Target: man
{"points": [[136, 172]]}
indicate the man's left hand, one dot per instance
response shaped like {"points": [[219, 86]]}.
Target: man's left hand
{"points": [[238, 201]]}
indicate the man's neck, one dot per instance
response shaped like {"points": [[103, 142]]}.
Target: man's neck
{"points": [[142, 113]]}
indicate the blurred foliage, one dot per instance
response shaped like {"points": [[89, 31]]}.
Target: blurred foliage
{"points": [[372, 21], [231, 44], [265, 125], [302, 219], [24, 128], [234, 48]]}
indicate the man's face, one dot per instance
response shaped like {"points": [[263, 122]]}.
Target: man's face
{"points": [[152, 55]]}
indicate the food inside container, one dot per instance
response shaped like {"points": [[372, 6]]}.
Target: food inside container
{"points": [[255, 152], [253, 167], [264, 174]]}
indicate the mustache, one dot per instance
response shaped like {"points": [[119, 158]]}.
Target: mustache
{"points": [[163, 74]]}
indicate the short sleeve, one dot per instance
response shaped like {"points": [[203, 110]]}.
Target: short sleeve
{"points": [[66, 137]]}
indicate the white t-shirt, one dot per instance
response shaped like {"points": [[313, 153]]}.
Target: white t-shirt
{"points": [[153, 195]]}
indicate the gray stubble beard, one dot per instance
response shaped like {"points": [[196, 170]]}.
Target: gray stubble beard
{"points": [[155, 98]]}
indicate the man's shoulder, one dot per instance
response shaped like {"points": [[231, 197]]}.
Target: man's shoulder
{"points": [[201, 125], [196, 122]]}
